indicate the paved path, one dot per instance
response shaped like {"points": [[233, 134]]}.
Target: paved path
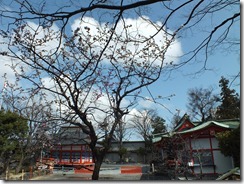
{"points": [[107, 172], [130, 177]]}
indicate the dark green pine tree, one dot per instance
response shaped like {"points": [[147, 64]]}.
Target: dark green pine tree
{"points": [[13, 129], [230, 102], [158, 125], [229, 144]]}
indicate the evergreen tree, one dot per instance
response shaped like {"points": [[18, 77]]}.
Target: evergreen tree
{"points": [[13, 129], [229, 143], [230, 102], [158, 125]]}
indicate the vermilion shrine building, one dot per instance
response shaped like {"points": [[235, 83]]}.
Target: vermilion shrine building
{"points": [[71, 148], [195, 144]]}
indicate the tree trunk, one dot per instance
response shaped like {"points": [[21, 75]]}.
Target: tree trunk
{"points": [[200, 162], [201, 175], [176, 169], [98, 163], [120, 158], [6, 165], [19, 166]]}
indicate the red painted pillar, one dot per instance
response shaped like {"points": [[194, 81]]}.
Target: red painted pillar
{"points": [[212, 153]]}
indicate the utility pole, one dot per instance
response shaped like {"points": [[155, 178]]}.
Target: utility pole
{"points": [[41, 156], [1, 100], [178, 111]]}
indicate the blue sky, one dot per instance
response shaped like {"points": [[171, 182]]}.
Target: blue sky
{"points": [[179, 84], [222, 62]]}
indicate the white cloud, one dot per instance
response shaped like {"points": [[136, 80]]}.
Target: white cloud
{"points": [[5, 62], [48, 47], [5, 69], [137, 30], [50, 36], [87, 22], [146, 103]]}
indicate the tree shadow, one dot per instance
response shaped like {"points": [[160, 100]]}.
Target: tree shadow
{"points": [[149, 176]]}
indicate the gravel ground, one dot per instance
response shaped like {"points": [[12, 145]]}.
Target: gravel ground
{"points": [[107, 172], [85, 177]]}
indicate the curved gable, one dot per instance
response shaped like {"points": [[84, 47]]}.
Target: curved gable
{"points": [[184, 124]]}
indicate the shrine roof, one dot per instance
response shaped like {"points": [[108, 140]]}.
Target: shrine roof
{"points": [[228, 124], [182, 121], [224, 124]]}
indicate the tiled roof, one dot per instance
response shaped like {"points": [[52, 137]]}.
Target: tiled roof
{"points": [[72, 135], [204, 125], [233, 123], [182, 120], [229, 124], [158, 137]]}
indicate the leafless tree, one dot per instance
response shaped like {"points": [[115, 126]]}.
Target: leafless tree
{"points": [[79, 77], [142, 124], [202, 103], [37, 111], [145, 124], [79, 68], [179, 154], [190, 15]]}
